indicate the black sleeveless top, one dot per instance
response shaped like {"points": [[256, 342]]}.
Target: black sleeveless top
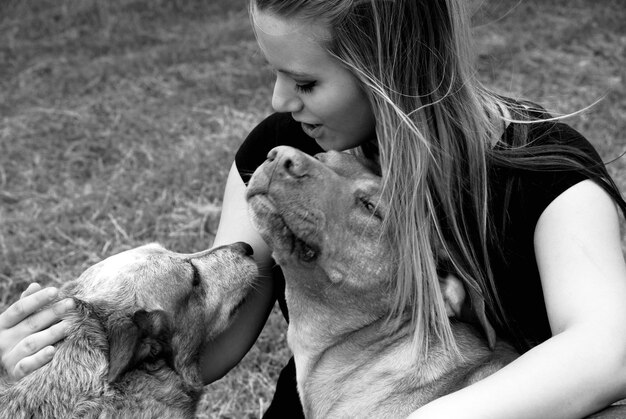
{"points": [[516, 213]]}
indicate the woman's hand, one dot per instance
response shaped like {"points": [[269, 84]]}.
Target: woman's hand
{"points": [[28, 330]]}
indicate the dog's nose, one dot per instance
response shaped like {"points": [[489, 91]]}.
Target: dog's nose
{"points": [[244, 248], [292, 161]]}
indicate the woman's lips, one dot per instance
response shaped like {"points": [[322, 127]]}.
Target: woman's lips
{"points": [[312, 130]]}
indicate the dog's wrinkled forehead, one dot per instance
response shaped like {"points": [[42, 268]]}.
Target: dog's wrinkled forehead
{"points": [[348, 165]]}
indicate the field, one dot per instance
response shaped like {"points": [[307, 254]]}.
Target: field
{"points": [[119, 121]]}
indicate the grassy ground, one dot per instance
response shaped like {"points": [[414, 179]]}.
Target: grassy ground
{"points": [[119, 120]]}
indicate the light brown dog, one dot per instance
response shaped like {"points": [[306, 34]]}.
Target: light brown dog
{"points": [[132, 349], [322, 218]]}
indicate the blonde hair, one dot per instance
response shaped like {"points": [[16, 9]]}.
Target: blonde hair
{"points": [[435, 125]]}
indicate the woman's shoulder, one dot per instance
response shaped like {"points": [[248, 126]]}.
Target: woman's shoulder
{"points": [[539, 128], [541, 159], [563, 137]]}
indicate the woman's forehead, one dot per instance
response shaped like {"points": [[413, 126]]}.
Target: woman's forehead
{"points": [[275, 25], [291, 47]]}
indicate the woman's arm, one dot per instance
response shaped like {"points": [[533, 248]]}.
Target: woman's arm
{"points": [[225, 351], [582, 368], [28, 331]]}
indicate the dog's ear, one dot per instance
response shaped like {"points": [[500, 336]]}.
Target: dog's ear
{"points": [[453, 294], [144, 336], [472, 311]]}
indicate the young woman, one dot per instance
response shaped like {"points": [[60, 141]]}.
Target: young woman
{"points": [[519, 202]]}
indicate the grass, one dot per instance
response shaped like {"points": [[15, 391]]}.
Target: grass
{"points": [[119, 121]]}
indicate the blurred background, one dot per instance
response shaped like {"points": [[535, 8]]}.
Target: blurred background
{"points": [[119, 121]]}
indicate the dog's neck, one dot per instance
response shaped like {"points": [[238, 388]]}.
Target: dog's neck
{"points": [[336, 348], [157, 392]]}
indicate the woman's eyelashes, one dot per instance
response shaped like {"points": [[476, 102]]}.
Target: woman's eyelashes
{"points": [[305, 87]]}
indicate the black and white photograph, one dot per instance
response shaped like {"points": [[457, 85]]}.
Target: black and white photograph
{"points": [[317, 209]]}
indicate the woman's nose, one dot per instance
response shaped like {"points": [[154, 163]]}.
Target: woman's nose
{"points": [[284, 98]]}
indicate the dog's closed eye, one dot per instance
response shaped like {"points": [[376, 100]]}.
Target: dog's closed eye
{"points": [[196, 275]]}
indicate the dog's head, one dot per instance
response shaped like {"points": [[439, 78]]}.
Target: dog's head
{"points": [[324, 215], [155, 304]]}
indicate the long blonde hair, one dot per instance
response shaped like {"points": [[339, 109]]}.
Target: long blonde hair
{"points": [[435, 126]]}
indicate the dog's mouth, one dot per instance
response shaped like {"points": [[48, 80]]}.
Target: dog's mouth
{"points": [[277, 230], [240, 304]]}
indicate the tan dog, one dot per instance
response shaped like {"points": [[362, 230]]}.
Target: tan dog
{"points": [[132, 350], [322, 218]]}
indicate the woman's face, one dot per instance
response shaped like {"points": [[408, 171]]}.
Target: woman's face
{"points": [[319, 92]]}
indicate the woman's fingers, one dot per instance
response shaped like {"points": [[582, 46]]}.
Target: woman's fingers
{"points": [[24, 307], [29, 364], [42, 321], [44, 318], [32, 288], [29, 328], [34, 350]]}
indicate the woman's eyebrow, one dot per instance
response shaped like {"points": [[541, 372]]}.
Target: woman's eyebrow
{"points": [[296, 74]]}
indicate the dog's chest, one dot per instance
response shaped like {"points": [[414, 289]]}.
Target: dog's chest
{"points": [[372, 383]]}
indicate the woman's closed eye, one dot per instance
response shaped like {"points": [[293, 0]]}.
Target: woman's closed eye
{"points": [[305, 87]]}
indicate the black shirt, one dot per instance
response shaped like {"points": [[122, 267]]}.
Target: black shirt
{"points": [[515, 213]]}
